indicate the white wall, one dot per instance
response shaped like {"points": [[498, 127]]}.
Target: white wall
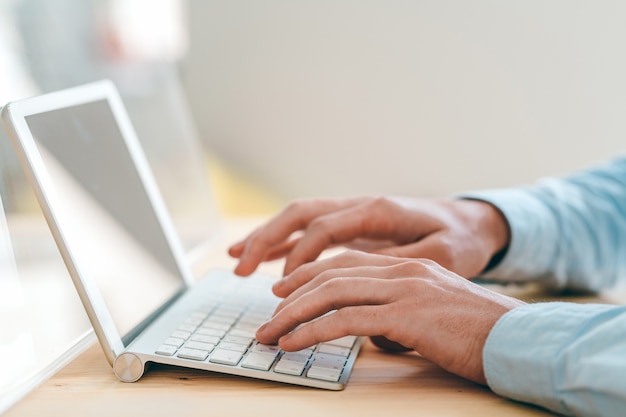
{"points": [[420, 97]]}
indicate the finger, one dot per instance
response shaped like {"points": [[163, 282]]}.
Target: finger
{"points": [[377, 219], [236, 249], [443, 249], [281, 250], [370, 245], [369, 320], [428, 248], [309, 271], [294, 217], [277, 252], [339, 227], [396, 270], [332, 295]]}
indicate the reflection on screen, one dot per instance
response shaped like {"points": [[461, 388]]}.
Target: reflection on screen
{"points": [[108, 220]]}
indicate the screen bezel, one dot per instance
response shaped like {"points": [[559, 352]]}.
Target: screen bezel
{"points": [[14, 116]]}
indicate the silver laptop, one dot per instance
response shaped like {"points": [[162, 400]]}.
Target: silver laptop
{"points": [[88, 170]]}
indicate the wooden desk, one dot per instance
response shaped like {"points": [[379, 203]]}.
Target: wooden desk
{"points": [[382, 384]]}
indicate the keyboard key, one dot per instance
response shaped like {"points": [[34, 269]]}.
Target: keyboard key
{"points": [[299, 356], [216, 325], [323, 360], [225, 314], [334, 350], [225, 357], [242, 333], [246, 327], [181, 334], [325, 374], [174, 341], [211, 332], [221, 319], [195, 354], [260, 361], [200, 346], [285, 366], [307, 352], [205, 339], [261, 348], [187, 328], [233, 346], [346, 341], [247, 341], [193, 321], [252, 320], [166, 350]]}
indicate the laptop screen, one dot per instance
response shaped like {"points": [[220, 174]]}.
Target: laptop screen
{"points": [[107, 218]]}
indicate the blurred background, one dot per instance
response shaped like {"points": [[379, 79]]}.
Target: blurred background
{"points": [[339, 97], [243, 105], [282, 99]]}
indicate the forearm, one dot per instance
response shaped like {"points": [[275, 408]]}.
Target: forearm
{"points": [[566, 357], [566, 232]]}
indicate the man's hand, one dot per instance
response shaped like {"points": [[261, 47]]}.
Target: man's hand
{"points": [[413, 302], [461, 235]]}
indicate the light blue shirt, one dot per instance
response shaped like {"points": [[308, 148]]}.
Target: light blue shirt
{"points": [[565, 233]]}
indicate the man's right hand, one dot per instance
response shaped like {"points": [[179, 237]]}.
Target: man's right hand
{"points": [[413, 303]]}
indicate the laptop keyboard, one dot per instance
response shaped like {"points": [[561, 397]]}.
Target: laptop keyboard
{"points": [[222, 331]]}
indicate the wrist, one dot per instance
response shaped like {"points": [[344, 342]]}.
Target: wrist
{"points": [[498, 226], [501, 234], [494, 228]]}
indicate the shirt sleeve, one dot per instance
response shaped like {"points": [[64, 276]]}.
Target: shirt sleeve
{"points": [[569, 358], [565, 232]]}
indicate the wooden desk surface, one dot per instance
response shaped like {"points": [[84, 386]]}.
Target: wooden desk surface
{"points": [[382, 384]]}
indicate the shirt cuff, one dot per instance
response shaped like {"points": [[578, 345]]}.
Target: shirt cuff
{"points": [[530, 222], [529, 354]]}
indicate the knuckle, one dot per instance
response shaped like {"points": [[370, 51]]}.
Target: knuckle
{"points": [[402, 269], [428, 264], [293, 315], [347, 258], [341, 319], [286, 317], [417, 267], [295, 206], [319, 224], [351, 255], [258, 240], [332, 284], [381, 203], [323, 277], [414, 267]]}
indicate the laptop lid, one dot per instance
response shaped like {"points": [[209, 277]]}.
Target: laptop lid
{"points": [[99, 197]]}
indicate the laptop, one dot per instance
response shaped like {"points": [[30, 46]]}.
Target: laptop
{"points": [[100, 199]]}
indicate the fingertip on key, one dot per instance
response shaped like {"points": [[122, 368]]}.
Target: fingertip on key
{"points": [[260, 334], [279, 288]]}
